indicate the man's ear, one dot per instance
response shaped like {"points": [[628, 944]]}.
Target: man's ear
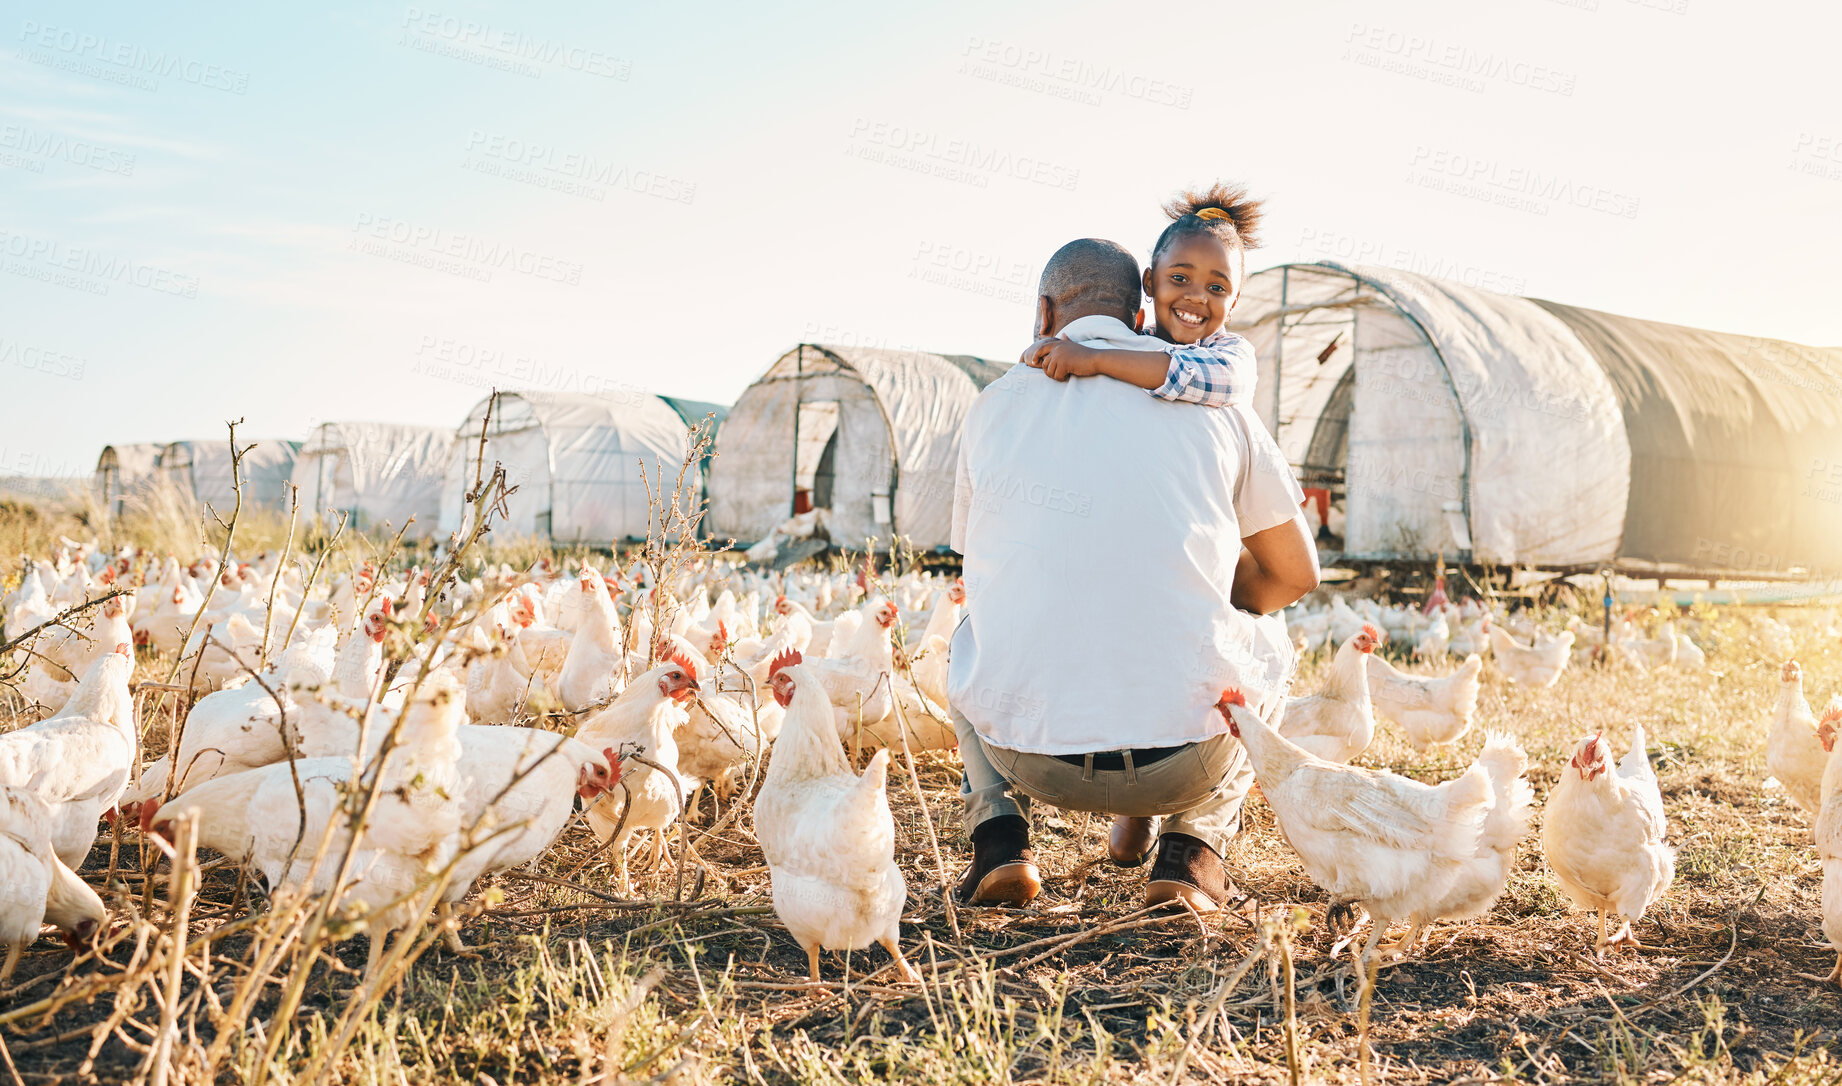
{"points": [[1138, 320], [1045, 315]]}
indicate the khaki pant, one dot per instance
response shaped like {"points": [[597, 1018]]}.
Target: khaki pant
{"points": [[1197, 790]]}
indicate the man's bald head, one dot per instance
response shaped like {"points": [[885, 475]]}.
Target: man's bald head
{"points": [[1085, 278]]}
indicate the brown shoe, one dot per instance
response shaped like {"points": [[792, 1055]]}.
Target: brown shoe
{"points": [[1187, 871], [1129, 843], [1003, 870]]}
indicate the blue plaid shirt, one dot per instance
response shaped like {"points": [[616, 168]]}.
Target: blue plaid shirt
{"points": [[1217, 371]]}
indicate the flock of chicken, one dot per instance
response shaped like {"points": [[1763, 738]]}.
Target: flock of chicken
{"points": [[370, 688], [1413, 852], [377, 738]]}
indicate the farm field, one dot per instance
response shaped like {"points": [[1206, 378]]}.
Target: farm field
{"points": [[692, 978]]}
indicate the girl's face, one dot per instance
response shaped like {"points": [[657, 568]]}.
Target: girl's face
{"points": [[1193, 288]]}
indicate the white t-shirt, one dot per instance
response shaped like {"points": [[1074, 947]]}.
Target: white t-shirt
{"points": [[1100, 529]]}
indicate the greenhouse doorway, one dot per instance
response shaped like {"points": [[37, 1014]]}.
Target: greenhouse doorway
{"points": [[815, 455]]}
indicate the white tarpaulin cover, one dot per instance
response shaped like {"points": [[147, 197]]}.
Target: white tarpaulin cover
{"points": [[1451, 420], [379, 472], [123, 472], [1550, 465], [576, 460], [202, 469], [897, 442]]}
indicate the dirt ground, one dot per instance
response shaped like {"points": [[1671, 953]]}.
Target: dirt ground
{"points": [[567, 982]]}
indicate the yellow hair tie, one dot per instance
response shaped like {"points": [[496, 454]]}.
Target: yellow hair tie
{"points": [[1213, 213]]}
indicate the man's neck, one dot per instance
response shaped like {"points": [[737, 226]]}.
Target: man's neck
{"points": [[1072, 315]]}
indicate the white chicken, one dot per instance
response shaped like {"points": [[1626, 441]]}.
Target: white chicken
{"points": [[518, 797], [1603, 835], [1829, 841], [1792, 751], [1432, 710], [1482, 879], [719, 741], [1402, 849], [62, 653], [1537, 666], [827, 832], [595, 669], [36, 886], [1472, 637], [929, 666], [230, 730], [30, 604], [1437, 639], [856, 677], [1775, 636], [407, 841], [643, 721], [79, 761], [499, 680], [71, 652], [546, 648], [1338, 722], [1651, 653]]}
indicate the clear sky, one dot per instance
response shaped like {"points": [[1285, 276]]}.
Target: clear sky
{"points": [[332, 211]]}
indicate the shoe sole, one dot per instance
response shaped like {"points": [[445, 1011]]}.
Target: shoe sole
{"points": [[1015, 884], [1127, 861], [1170, 891]]}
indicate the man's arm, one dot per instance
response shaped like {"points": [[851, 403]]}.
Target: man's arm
{"points": [[1277, 567]]}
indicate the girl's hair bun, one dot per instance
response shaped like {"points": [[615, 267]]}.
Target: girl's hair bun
{"points": [[1222, 209]]}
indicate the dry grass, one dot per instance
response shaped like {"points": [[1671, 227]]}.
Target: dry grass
{"points": [[568, 984]]}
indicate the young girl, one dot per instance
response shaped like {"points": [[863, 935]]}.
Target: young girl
{"points": [[1193, 282]]}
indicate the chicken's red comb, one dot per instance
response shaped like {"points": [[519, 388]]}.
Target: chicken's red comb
{"points": [[1831, 715], [1374, 634], [722, 629], [678, 657], [789, 658], [1232, 696]]}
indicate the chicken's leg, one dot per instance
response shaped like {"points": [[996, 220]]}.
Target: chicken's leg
{"points": [[450, 931], [1834, 977], [1599, 944], [1404, 945], [902, 968], [812, 960], [1376, 928], [373, 958], [1624, 937], [12, 962]]}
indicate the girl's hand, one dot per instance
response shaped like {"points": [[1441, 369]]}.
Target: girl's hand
{"points": [[1032, 355], [1059, 359]]}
